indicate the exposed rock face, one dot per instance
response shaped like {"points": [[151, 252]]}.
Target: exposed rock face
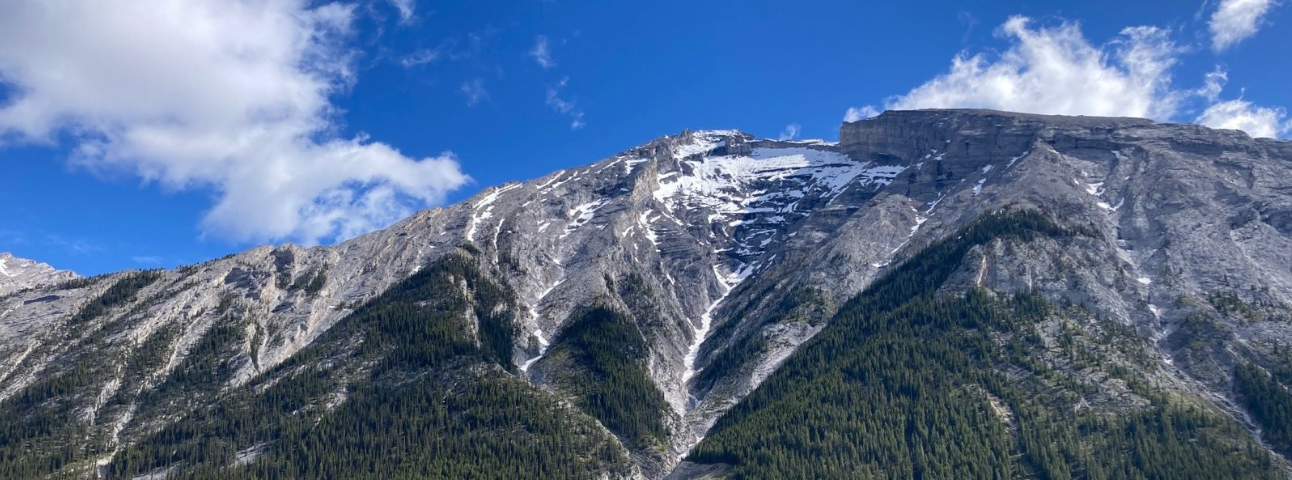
{"points": [[20, 273], [741, 249]]}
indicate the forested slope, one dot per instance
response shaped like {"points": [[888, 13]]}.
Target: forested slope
{"points": [[414, 384], [910, 382]]}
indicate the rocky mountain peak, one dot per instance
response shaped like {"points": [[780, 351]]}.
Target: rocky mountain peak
{"points": [[965, 133], [712, 256], [19, 273]]}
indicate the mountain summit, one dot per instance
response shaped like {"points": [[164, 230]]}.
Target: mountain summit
{"points": [[20, 273], [940, 294]]}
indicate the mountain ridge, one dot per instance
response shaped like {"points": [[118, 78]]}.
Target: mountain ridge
{"points": [[724, 253], [21, 273]]}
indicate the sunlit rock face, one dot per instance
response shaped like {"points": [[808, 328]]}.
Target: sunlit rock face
{"points": [[702, 237]]}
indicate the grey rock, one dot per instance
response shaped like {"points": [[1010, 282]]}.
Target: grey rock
{"points": [[713, 230], [20, 274]]}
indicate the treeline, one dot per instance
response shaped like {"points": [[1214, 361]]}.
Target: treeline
{"points": [[45, 427], [40, 429], [411, 385], [1269, 403], [119, 293], [906, 384], [609, 379], [803, 303]]}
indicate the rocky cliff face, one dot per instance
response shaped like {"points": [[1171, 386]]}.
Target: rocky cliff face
{"points": [[727, 252], [20, 273]]}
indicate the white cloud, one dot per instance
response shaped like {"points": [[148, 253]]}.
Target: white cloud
{"points": [[474, 91], [562, 106], [1242, 115], [542, 53], [1239, 114], [1214, 83], [1055, 70], [73, 245], [791, 132], [420, 57], [146, 259], [1235, 21], [406, 9], [230, 95], [855, 114]]}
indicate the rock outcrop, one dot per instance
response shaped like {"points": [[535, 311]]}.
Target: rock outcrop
{"points": [[728, 252], [20, 274]]}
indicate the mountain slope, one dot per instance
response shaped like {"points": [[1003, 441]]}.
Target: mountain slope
{"points": [[647, 294], [20, 274], [907, 382], [414, 384]]}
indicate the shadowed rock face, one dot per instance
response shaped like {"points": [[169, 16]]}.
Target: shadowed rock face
{"points": [[727, 252]]}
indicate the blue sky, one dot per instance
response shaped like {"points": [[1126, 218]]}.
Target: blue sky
{"points": [[115, 127]]}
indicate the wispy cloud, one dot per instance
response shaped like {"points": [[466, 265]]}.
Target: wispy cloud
{"points": [[569, 108], [420, 57], [969, 21], [252, 118], [406, 9], [73, 245], [11, 237], [468, 47], [790, 132], [473, 47], [542, 53], [48, 242], [1235, 21], [1239, 114], [1213, 85], [146, 260], [475, 91], [855, 114]]}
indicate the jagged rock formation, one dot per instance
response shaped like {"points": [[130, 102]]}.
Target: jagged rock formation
{"points": [[20, 273], [724, 253]]}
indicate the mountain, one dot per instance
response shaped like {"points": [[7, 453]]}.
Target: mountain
{"points": [[20, 273], [940, 294]]}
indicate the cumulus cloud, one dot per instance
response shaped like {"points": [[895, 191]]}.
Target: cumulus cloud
{"points": [[1235, 21], [1055, 70], [227, 95], [1242, 115], [542, 53], [565, 107], [790, 132], [855, 114], [1239, 114]]}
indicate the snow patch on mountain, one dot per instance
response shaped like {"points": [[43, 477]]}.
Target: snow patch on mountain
{"points": [[730, 184], [582, 214], [753, 197], [487, 203]]}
